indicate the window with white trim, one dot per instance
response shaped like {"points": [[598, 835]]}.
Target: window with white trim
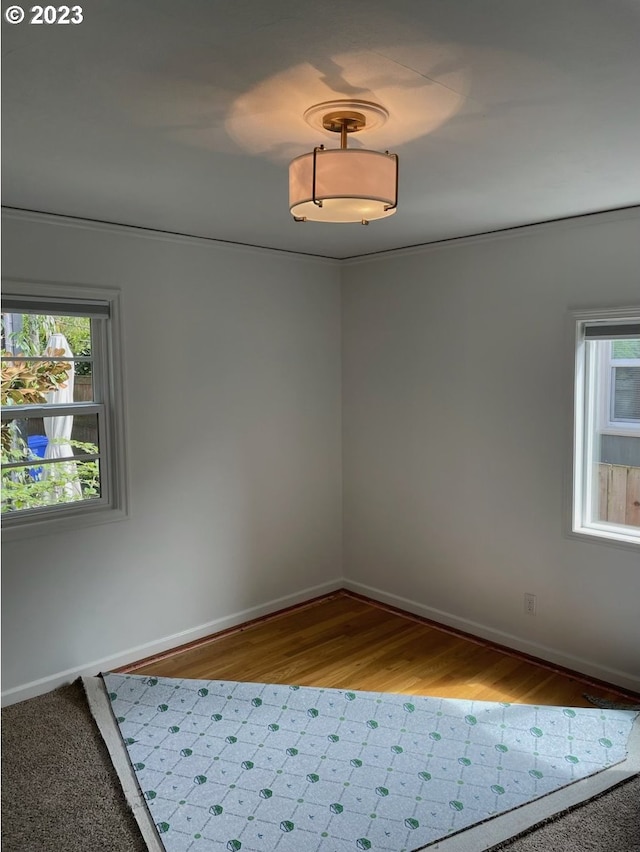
{"points": [[606, 461], [62, 419]]}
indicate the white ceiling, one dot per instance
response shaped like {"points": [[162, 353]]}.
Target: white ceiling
{"points": [[182, 115]]}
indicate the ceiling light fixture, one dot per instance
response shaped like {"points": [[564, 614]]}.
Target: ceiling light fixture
{"points": [[344, 184]]}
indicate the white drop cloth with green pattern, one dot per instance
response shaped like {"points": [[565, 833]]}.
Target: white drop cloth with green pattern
{"points": [[270, 768]]}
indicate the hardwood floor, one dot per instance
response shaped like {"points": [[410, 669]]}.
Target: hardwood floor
{"points": [[344, 641]]}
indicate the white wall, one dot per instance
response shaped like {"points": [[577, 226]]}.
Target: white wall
{"points": [[233, 414], [455, 409]]}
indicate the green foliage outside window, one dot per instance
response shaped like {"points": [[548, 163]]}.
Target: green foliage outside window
{"points": [[22, 488], [33, 336]]}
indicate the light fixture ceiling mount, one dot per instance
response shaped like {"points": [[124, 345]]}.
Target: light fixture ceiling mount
{"points": [[374, 115], [342, 118], [344, 184]]}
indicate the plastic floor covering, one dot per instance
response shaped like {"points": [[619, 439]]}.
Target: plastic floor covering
{"points": [[246, 767]]}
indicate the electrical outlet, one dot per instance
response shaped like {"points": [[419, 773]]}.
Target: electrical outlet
{"points": [[529, 603]]}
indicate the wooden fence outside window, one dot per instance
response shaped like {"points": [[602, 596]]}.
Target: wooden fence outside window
{"points": [[619, 494]]}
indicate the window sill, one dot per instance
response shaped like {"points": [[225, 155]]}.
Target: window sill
{"points": [[22, 528], [617, 536]]}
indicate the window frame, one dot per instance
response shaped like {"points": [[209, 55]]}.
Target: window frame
{"points": [[113, 503], [587, 418]]}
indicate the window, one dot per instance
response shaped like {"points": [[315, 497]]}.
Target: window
{"points": [[62, 420], [606, 459]]}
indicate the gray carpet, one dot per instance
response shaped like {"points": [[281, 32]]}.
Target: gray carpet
{"points": [[61, 794], [610, 823]]}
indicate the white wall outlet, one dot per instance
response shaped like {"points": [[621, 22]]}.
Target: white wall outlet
{"points": [[529, 603]]}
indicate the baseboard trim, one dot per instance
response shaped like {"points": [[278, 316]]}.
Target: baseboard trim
{"points": [[577, 667], [166, 643]]}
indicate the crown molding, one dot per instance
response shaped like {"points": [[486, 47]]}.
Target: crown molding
{"points": [[20, 215], [581, 221]]}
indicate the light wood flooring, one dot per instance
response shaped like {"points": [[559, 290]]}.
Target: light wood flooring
{"points": [[345, 641]]}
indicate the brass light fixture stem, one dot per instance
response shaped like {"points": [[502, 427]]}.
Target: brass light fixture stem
{"points": [[344, 122], [343, 133]]}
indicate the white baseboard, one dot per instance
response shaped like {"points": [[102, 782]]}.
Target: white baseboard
{"points": [[166, 643], [516, 643]]}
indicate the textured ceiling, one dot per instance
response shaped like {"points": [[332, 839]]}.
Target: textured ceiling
{"points": [[182, 115]]}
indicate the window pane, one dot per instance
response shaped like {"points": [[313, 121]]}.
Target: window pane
{"points": [[626, 393], [56, 484], [623, 349], [30, 334], [56, 440], [62, 437], [46, 382]]}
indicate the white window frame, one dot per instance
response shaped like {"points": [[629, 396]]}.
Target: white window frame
{"points": [[113, 503], [588, 413]]}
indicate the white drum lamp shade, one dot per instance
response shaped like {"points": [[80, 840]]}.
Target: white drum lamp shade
{"points": [[343, 185]]}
